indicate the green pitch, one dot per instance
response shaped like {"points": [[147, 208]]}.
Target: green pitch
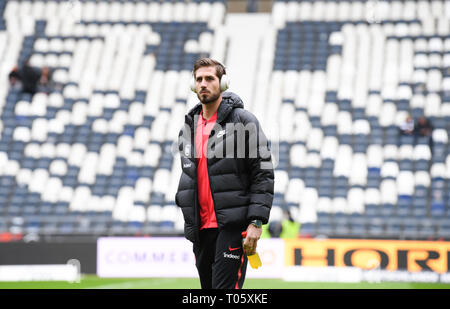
{"points": [[94, 282]]}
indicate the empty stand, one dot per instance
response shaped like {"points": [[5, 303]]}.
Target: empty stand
{"points": [[357, 75], [93, 154]]}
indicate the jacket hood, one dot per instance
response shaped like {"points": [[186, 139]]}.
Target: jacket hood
{"points": [[230, 101]]}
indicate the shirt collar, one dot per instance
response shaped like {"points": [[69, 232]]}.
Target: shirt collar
{"points": [[212, 119]]}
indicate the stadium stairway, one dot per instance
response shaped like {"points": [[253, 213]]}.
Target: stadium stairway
{"points": [[245, 33]]}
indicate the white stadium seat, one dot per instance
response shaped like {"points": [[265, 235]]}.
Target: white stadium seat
{"points": [[405, 183], [372, 196], [389, 169], [388, 190], [281, 181], [294, 190]]}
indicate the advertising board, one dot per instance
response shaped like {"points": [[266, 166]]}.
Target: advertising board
{"points": [[393, 255], [171, 257]]}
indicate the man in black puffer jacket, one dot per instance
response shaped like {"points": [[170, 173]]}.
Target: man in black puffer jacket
{"points": [[227, 181]]}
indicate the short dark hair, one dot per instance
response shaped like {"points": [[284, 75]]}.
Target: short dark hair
{"points": [[208, 62]]}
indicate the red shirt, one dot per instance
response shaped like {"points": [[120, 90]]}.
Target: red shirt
{"points": [[207, 213]]}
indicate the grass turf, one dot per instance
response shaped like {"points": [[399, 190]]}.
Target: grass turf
{"points": [[94, 282]]}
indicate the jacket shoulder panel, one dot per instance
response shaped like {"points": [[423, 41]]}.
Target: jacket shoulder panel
{"points": [[244, 116]]}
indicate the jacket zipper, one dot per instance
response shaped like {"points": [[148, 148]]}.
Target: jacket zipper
{"points": [[210, 183], [196, 205]]}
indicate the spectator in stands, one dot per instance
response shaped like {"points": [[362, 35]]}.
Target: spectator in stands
{"points": [[423, 127], [28, 77], [275, 228], [45, 82], [266, 231], [286, 228], [223, 190], [289, 227], [407, 127], [15, 79]]}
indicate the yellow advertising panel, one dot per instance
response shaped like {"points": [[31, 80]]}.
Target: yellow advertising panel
{"points": [[368, 254]]}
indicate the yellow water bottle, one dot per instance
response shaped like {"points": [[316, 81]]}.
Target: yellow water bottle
{"points": [[254, 259]]}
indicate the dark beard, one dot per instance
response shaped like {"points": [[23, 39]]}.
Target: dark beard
{"points": [[206, 99]]}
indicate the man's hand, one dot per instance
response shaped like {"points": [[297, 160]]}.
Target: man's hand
{"points": [[253, 235]]}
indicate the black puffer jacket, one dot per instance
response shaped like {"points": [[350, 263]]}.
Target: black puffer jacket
{"points": [[241, 182]]}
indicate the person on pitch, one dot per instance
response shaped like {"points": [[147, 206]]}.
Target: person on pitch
{"points": [[227, 181]]}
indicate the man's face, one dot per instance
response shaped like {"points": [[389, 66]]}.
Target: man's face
{"points": [[207, 84]]}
